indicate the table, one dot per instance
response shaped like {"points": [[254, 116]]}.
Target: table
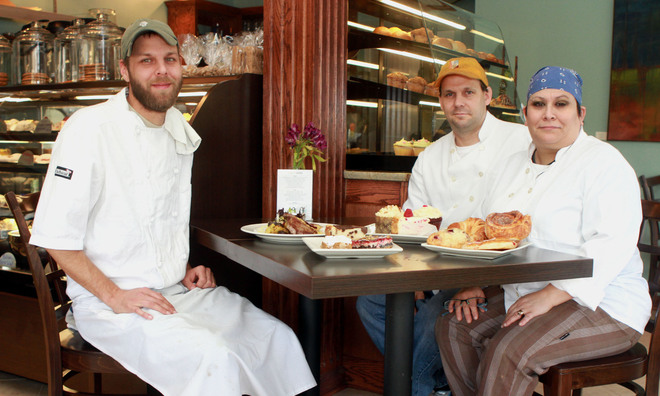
{"points": [[398, 276]]}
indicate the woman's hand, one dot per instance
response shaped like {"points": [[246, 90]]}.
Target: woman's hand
{"points": [[535, 304], [470, 311]]}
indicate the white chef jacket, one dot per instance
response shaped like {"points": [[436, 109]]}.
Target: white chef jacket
{"points": [[120, 191], [457, 185], [114, 182], [586, 203]]}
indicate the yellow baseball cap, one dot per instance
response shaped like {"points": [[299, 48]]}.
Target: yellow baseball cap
{"points": [[466, 67]]}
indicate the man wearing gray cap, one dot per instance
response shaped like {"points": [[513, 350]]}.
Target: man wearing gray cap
{"points": [[114, 213]]}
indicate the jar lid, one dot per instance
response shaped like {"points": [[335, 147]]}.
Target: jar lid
{"points": [[72, 31], [4, 43], [102, 28], [34, 32]]}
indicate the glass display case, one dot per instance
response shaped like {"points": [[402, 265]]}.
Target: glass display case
{"points": [[32, 116], [395, 51]]}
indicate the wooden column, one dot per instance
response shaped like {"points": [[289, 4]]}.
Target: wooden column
{"points": [[305, 52], [305, 80]]}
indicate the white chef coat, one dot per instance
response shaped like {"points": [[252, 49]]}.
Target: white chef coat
{"points": [[587, 203], [120, 191], [456, 184]]}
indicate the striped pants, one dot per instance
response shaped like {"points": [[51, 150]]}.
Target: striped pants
{"points": [[482, 358]]}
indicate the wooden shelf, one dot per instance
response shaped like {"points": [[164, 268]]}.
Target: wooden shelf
{"points": [[27, 14]]}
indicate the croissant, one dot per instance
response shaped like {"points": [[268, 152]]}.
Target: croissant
{"points": [[473, 226], [510, 225]]}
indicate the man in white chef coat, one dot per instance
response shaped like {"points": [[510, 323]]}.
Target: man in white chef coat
{"points": [[114, 213], [452, 175]]}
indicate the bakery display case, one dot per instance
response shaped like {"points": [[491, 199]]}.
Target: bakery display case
{"points": [[31, 117], [395, 51]]}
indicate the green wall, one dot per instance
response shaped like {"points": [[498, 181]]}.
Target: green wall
{"points": [[575, 34]]}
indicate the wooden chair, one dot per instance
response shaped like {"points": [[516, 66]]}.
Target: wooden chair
{"points": [[625, 367], [67, 352], [648, 184]]}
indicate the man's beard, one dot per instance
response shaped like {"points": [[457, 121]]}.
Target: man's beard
{"points": [[159, 103]]}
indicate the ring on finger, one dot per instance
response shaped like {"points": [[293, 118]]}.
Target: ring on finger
{"points": [[520, 312]]}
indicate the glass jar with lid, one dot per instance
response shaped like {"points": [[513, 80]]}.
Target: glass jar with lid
{"points": [[100, 48], [5, 61], [66, 52], [32, 55]]}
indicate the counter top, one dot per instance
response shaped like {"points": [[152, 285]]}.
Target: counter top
{"points": [[374, 175]]}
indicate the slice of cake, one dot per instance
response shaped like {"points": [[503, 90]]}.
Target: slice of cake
{"points": [[373, 242], [336, 242], [387, 220], [352, 232], [433, 214], [416, 226]]}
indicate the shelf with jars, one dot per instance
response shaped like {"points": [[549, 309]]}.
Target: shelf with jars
{"points": [[395, 51]]}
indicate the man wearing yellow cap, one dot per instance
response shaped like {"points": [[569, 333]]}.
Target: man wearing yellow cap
{"points": [[114, 213], [452, 175]]}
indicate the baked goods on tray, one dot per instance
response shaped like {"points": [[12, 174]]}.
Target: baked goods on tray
{"points": [[500, 231], [512, 225], [287, 223]]}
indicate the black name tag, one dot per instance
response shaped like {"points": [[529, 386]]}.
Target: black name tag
{"points": [[63, 172]]}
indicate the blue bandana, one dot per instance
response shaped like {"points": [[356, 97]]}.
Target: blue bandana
{"points": [[557, 78]]}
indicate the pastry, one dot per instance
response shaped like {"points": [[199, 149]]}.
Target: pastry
{"points": [[296, 225], [471, 52], [433, 214], [432, 89], [474, 227], [459, 46], [492, 244], [422, 35], [403, 147], [416, 84], [397, 79], [351, 232], [336, 242], [373, 242], [443, 42], [420, 145], [400, 34], [453, 238], [387, 219], [383, 31], [512, 225], [492, 58]]}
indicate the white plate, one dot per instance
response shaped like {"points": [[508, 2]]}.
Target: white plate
{"points": [[315, 245], [399, 238], [259, 228], [484, 254]]}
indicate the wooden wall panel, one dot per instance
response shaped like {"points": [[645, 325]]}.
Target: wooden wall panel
{"points": [[305, 80], [305, 52]]}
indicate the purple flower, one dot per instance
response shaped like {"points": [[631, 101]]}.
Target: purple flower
{"points": [[308, 143]]}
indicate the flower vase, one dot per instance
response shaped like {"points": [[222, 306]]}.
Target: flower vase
{"points": [[295, 190]]}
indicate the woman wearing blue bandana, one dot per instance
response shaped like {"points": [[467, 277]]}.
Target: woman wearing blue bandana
{"points": [[584, 199]]}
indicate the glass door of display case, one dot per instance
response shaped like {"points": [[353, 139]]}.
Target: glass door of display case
{"points": [[395, 51]]}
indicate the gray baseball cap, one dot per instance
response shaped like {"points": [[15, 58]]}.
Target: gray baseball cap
{"points": [[145, 25]]}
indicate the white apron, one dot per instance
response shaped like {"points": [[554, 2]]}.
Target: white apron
{"points": [[217, 344]]}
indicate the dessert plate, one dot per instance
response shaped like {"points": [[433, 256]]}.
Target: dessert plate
{"points": [[398, 238], [259, 229], [482, 254], [315, 245]]}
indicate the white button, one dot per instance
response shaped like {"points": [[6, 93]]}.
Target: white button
{"points": [[453, 179], [183, 257], [527, 170], [160, 263], [471, 199], [511, 195], [481, 174], [529, 191], [455, 206], [482, 148], [175, 213], [452, 151], [176, 171]]}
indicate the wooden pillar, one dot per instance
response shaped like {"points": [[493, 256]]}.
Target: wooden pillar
{"points": [[305, 80], [305, 51]]}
